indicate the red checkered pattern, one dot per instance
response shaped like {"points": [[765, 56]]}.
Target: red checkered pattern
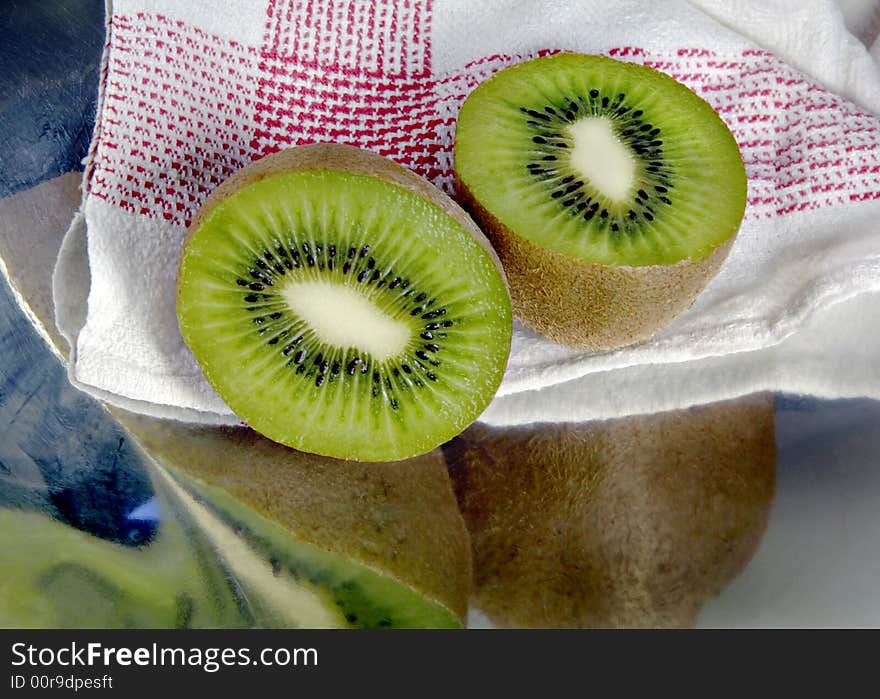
{"points": [[803, 147], [183, 109], [177, 116]]}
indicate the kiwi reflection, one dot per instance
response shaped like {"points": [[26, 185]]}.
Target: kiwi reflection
{"points": [[315, 541], [633, 522], [87, 538]]}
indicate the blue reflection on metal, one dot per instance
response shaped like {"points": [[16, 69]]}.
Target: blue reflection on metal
{"points": [[60, 451], [49, 68]]}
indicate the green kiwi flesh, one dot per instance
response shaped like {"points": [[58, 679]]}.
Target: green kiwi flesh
{"points": [[610, 191], [669, 183], [340, 305]]}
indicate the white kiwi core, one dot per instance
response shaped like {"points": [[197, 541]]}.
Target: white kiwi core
{"points": [[343, 317], [599, 156]]}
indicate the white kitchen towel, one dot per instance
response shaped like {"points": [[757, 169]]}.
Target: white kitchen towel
{"points": [[191, 93]]}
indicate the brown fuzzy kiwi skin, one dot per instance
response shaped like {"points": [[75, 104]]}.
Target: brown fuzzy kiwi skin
{"points": [[399, 519], [633, 522], [340, 158], [586, 305]]}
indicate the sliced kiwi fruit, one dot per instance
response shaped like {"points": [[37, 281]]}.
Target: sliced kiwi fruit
{"points": [[342, 305], [611, 192], [633, 522], [315, 541]]}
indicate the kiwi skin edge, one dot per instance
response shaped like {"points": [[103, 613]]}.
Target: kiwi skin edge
{"points": [[587, 305], [341, 158]]}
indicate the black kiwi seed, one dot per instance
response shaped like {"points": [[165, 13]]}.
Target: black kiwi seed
{"points": [[309, 359], [640, 135]]}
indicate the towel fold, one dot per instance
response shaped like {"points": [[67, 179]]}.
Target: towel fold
{"points": [[190, 94]]}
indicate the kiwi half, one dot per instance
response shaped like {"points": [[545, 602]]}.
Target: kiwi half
{"points": [[342, 305], [634, 522], [611, 192], [315, 541]]}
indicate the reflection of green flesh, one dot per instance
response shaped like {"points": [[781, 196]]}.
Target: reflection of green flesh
{"points": [[59, 577], [365, 598]]}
